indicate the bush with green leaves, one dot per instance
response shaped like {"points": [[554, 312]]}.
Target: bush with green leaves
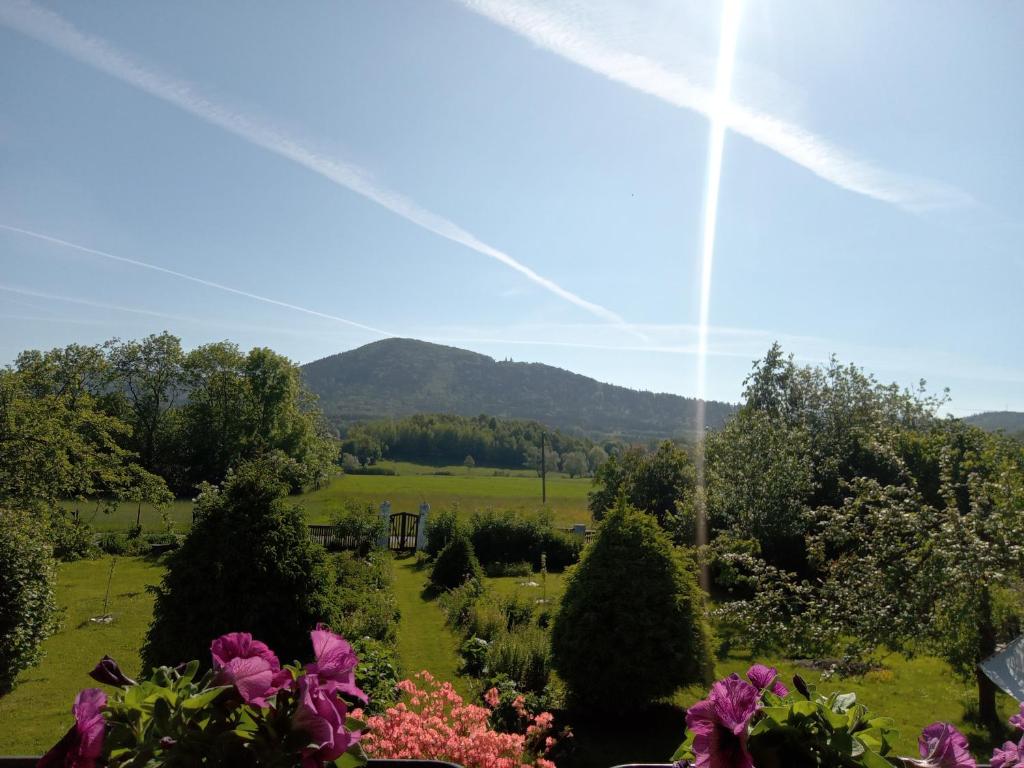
{"points": [[630, 628], [511, 537], [364, 601], [498, 570], [28, 613], [455, 564], [458, 604], [377, 673], [71, 536], [524, 655], [441, 528], [359, 528], [247, 565]]}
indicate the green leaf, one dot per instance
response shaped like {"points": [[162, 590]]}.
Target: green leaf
{"points": [[200, 700]]}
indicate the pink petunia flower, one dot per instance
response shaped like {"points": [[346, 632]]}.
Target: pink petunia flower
{"points": [[249, 665], [82, 745], [321, 716], [1017, 720], [943, 746], [766, 679], [1010, 755], [719, 724], [335, 664]]}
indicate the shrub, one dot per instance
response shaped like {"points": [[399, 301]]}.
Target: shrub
{"points": [[486, 619], [458, 604], [359, 528], [524, 655], [437, 724], [497, 570], [377, 673], [455, 564], [440, 530], [630, 629], [365, 604], [508, 537], [518, 611], [72, 537], [27, 610], [122, 544], [248, 565]]}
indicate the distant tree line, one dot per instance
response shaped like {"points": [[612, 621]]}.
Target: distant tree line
{"points": [[488, 440]]}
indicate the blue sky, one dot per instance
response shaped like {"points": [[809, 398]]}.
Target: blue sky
{"points": [[522, 178]]}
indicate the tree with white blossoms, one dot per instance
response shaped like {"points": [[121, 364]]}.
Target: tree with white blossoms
{"points": [[917, 567]]}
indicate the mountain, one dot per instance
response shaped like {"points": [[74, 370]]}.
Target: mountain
{"points": [[1010, 422], [400, 377]]}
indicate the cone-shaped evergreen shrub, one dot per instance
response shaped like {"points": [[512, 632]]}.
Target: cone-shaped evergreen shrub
{"points": [[247, 565], [630, 628], [456, 563]]}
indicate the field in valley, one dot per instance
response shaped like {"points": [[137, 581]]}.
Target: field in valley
{"points": [[441, 487]]}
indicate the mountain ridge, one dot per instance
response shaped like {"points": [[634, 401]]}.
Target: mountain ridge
{"points": [[399, 377]]}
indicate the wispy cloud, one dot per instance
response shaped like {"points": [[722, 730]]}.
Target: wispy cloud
{"points": [[563, 29], [53, 30], [193, 278]]}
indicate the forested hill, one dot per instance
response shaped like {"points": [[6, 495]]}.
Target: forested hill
{"points": [[400, 377], [1010, 422]]}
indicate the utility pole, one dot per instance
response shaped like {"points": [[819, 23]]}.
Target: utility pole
{"points": [[543, 472]]}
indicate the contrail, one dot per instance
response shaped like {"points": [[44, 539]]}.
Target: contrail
{"points": [[194, 279], [569, 38], [89, 303], [53, 30]]}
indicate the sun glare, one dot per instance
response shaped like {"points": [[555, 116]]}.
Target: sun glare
{"points": [[716, 145]]}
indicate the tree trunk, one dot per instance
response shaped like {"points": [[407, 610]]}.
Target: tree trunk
{"points": [[986, 647]]}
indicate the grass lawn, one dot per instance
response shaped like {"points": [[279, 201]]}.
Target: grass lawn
{"points": [[567, 498], [415, 483], [32, 717], [37, 712], [424, 642]]}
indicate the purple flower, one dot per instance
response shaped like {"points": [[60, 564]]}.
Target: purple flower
{"points": [[1017, 721], [321, 717], [766, 679], [335, 665], [1010, 755], [82, 745], [247, 664], [719, 724], [108, 672], [943, 746]]}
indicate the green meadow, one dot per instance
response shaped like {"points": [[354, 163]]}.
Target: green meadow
{"points": [[441, 487]]}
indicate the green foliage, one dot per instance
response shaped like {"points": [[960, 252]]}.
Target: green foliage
{"points": [[377, 673], [575, 463], [523, 655], [247, 564], [364, 602], [498, 569], [361, 527], [657, 483], [510, 537], [813, 730], [441, 528], [455, 564], [451, 439], [71, 536], [630, 627], [28, 613]]}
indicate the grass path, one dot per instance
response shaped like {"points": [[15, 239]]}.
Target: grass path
{"points": [[424, 642]]}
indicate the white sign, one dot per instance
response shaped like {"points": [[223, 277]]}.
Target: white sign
{"points": [[1006, 668]]}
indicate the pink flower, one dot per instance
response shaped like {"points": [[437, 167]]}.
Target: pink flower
{"points": [[82, 745], [1011, 755], [719, 724], [247, 664], [492, 698], [943, 746], [321, 716], [766, 679], [335, 664], [1017, 721]]}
